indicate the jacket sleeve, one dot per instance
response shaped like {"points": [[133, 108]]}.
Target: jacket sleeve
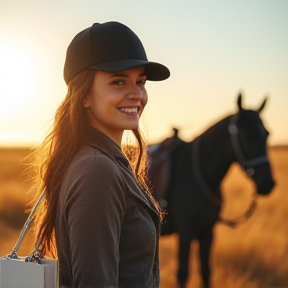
{"points": [[94, 212]]}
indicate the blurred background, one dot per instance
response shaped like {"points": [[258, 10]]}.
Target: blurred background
{"points": [[214, 50]]}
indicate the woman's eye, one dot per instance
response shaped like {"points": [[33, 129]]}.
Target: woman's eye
{"points": [[118, 82], [142, 82]]}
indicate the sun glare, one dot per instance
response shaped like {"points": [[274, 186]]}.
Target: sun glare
{"points": [[19, 86], [18, 76]]}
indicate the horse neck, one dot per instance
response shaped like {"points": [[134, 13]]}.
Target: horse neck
{"points": [[216, 154]]}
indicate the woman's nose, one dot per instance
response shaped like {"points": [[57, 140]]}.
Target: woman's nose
{"points": [[135, 93]]}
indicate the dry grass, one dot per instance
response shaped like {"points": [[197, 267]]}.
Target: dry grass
{"points": [[14, 198], [252, 255]]}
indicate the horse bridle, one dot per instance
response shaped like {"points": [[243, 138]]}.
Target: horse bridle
{"points": [[247, 165]]}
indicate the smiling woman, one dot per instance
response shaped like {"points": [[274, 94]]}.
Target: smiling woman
{"points": [[97, 196]]}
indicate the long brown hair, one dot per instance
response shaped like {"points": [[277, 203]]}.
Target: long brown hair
{"points": [[53, 156]]}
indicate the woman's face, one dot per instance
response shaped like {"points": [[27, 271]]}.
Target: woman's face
{"points": [[116, 101]]}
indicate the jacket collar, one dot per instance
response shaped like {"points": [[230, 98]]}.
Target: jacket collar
{"points": [[101, 141]]}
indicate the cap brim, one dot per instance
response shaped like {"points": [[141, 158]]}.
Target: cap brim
{"points": [[154, 71]]}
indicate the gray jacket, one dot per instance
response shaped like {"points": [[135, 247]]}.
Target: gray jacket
{"points": [[107, 228]]}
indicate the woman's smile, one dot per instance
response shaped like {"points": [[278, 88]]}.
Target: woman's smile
{"points": [[130, 110]]}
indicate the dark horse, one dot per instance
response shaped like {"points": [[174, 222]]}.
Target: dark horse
{"points": [[186, 179]]}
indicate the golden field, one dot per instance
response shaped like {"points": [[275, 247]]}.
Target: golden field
{"points": [[252, 255]]}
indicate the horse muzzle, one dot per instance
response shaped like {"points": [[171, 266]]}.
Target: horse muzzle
{"points": [[266, 186], [263, 179]]}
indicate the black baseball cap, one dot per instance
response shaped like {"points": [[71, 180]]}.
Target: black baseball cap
{"points": [[109, 47]]}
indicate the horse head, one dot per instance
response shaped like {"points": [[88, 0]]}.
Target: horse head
{"points": [[249, 142]]}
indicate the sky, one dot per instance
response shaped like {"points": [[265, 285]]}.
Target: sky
{"points": [[215, 49]]}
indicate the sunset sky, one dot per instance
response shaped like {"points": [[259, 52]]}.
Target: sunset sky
{"points": [[213, 48]]}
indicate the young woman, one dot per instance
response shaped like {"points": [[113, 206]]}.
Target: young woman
{"points": [[98, 216]]}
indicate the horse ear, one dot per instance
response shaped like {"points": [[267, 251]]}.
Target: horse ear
{"points": [[239, 102], [263, 105]]}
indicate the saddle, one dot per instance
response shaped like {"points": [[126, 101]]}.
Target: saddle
{"points": [[160, 166]]}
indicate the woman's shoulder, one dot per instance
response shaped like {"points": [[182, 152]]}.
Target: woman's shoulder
{"points": [[91, 158], [92, 177], [87, 153]]}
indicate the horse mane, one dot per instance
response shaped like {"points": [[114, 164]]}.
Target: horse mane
{"points": [[216, 128]]}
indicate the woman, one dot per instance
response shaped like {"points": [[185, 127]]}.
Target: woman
{"points": [[99, 216]]}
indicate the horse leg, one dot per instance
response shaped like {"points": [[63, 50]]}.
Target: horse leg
{"points": [[183, 260], [205, 242]]}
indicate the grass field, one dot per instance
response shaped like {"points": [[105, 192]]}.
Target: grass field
{"points": [[252, 255]]}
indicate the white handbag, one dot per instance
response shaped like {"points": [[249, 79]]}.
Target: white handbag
{"points": [[33, 271]]}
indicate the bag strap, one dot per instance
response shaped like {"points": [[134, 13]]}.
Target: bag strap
{"points": [[13, 253]]}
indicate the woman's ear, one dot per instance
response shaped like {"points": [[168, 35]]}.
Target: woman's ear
{"points": [[86, 102]]}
